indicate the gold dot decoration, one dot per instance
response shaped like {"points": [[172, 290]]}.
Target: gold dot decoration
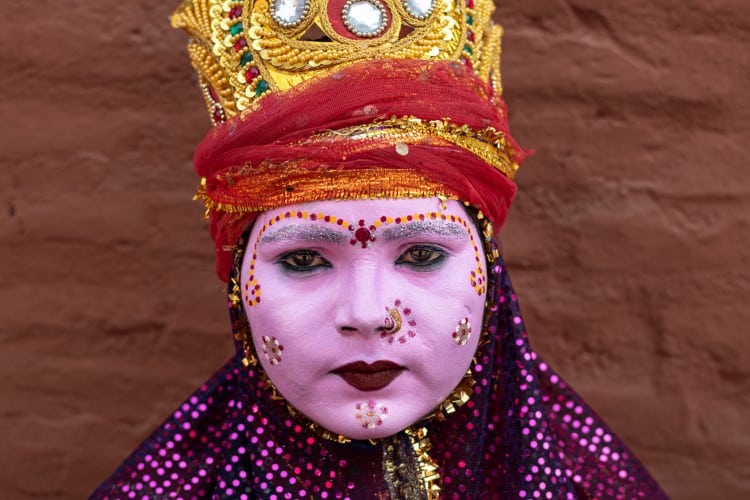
{"points": [[362, 233]]}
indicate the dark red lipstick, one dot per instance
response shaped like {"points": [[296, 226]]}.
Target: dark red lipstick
{"points": [[369, 377]]}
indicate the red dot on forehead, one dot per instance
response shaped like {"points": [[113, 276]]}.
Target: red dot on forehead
{"points": [[363, 235]]}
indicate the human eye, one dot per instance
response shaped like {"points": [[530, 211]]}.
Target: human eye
{"points": [[303, 261], [422, 257]]}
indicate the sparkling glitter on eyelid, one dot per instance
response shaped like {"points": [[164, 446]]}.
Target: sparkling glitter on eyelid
{"points": [[418, 228], [303, 233]]}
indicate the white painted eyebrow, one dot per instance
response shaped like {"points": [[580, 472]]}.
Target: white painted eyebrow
{"points": [[303, 232], [451, 230]]}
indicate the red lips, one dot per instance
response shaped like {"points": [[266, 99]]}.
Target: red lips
{"points": [[369, 377]]}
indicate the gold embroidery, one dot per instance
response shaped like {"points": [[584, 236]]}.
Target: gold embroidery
{"points": [[261, 53], [271, 187]]}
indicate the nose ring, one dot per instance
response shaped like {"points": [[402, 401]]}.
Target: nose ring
{"points": [[393, 321]]}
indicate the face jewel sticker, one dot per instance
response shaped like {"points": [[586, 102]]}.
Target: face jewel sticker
{"points": [[399, 325], [462, 334], [393, 322], [272, 349], [289, 13], [362, 234], [365, 18], [370, 414]]}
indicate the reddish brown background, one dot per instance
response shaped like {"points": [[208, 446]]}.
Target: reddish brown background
{"points": [[628, 243]]}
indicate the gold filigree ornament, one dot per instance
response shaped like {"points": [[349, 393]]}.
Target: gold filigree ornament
{"points": [[244, 49]]}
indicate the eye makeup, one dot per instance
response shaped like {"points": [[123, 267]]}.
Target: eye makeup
{"points": [[410, 225], [303, 232], [419, 228]]}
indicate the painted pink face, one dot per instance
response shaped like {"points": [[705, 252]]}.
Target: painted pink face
{"points": [[366, 313]]}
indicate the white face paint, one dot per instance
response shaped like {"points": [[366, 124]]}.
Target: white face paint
{"points": [[361, 311]]}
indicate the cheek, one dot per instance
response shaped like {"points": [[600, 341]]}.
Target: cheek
{"points": [[455, 298], [290, 325]]}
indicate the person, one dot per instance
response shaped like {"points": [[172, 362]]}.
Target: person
{"points": [[354, 184]]}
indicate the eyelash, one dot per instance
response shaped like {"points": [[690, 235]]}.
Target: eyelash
{"points": [[286, 261], [435, 258]]}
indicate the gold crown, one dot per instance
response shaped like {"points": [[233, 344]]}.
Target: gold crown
{"points": [[244, 49]]}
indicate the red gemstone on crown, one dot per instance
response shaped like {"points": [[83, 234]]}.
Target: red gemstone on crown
{"points": [[240, 44], [218, 115], [252, 73]]}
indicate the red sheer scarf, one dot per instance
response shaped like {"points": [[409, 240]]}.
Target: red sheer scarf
{"points": [[249, 160]]}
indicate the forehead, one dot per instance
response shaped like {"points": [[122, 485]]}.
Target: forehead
{"points": [[393, 218]]}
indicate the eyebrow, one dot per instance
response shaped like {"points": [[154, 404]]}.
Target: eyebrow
{"points": [[301, 232], [417, 228]]}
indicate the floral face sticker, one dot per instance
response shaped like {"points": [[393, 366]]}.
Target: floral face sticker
{"points": [[462, 333], [353, 335]]}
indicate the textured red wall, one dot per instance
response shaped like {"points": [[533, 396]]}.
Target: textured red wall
{"points": [[628, 243]]}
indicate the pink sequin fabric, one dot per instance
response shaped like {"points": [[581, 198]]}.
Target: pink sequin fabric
{"points": [[524, 433]]}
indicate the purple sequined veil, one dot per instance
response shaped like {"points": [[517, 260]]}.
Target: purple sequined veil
{"points": [[523, 433]]}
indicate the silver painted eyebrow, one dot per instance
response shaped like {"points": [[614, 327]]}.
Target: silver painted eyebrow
{"points": [[302, 232], [451, 230]]}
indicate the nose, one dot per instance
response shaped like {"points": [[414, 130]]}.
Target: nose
{"points": [[362, 308]]}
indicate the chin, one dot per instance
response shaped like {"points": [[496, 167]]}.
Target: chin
{"points": [[363, 416], [388, 426], [363, 434]]}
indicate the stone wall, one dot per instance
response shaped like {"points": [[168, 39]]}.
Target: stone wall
{"points": [[628, 242]]}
